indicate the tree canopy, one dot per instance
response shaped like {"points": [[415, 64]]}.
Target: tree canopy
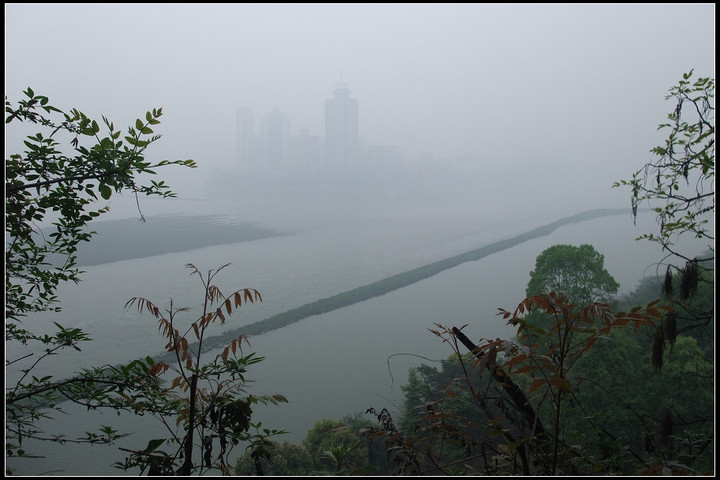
{"points": [[577, 272]]}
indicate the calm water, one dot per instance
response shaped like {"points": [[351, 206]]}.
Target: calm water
{"points": [[333, 364]]}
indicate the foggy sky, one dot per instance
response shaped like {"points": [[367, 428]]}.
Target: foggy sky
{"points": [[575, 91]]}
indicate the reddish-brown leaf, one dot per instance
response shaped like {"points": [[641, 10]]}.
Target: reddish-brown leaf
{"points": [[537, 383], [197, 330], [561, 383]]}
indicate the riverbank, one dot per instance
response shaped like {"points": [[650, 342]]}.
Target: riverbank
{"points": [[125, 239]]}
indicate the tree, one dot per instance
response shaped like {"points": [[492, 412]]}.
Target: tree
{"points": [[534, 384], [585, 400], [335, 446], [44, 179], [679, 186], [576, 272], [46, 184], [440, 412], [215, 410], [288, 459]]}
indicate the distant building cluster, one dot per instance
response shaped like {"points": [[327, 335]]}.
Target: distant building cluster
{"points": [[274, 144]]}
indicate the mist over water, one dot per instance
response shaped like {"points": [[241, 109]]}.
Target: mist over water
{"points": [[476, 122], [341, 362]]}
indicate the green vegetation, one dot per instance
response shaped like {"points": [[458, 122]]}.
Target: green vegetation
{"points": [[46, 184], [206, 401], [44, 180], [591, 389], [577, 272], [618, 414], [679, 186], [337, 447]]}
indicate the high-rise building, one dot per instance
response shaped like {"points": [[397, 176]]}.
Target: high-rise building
{"points": [[244, 137], [276, 136], [341, 129], [305, 149]]}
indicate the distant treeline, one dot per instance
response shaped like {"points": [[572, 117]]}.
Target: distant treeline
{"points": [[395, 282]]}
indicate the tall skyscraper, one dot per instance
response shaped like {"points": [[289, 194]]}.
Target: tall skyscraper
{"points": [[276, 135], [305, 150], [341, 129]]}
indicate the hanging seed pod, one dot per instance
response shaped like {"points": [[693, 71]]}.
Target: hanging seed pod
{"points": [[656, 359], [689, 280], [667, 289]]}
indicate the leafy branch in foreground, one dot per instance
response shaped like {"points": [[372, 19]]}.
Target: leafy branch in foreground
{"points": [[46, 183], [205, 408], [51, 189], [679, 186], [681, 179], [510, 420]]}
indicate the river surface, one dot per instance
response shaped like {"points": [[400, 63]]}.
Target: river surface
{"points": [[329, 365]]}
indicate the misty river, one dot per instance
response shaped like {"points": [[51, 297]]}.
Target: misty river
{"points": [[328, 365]]}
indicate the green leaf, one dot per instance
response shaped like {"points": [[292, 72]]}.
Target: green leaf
{"points": [[138, 124], [153, 444], [105, 191]]}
